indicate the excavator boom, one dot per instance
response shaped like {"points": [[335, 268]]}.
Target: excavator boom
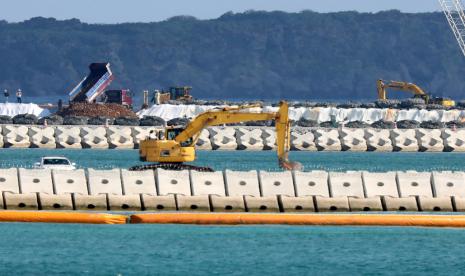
{"points": [[398, 85]]}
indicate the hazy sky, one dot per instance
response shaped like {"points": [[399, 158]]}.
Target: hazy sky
{"points": [[115, 11]]}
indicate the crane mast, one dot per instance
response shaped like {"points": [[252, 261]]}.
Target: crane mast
{"points": [[453, 10]]}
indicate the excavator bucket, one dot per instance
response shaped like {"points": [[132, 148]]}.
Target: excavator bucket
{"points": [[290, 165]]}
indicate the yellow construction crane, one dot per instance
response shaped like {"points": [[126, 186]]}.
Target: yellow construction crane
{"points": [[412, 88], [178, 144]]}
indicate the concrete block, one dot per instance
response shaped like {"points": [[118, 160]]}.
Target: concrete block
{"points": [[223, 138], [297, 204], [104, 182], [203, 142], [9, 180], [311, 183], [346, 184], [438, 204], [35, 180], [20, 201], [94, 137], [42, 137], [327, 139], [139, 182], [90, 202], [242, 183], [378, 140], [429, 140], [332, 204], [414, 184], [365, 204], [352, 139], [2, 144], [453, 140], [269, 138], [380, 184], [68, 137], [120, 137], [303, 140], [401, 204], [199, 203], [207, 183], [276, 183], [404, 140], [249, 139], [159, 203], [173, 182], [448, 184], [124, 202], [261, 204], [68, 182], [15, 136], [55, 202], [227, 204], [141, 133]]}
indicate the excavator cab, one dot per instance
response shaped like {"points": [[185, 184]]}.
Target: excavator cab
{"points": [[167, 150], [171, 134]]}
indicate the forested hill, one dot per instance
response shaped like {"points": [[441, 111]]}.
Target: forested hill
{"points": [[258, 55]]}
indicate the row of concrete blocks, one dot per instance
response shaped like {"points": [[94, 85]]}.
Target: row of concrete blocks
{"points": [[346, 139], [239, 138], [73, 137], [320, 190], [213, 203]]}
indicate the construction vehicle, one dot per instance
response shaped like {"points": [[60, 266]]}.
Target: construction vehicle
{"points": [[417, 92], [178, 143], [93, 85], [178, 93], [121, 96]]}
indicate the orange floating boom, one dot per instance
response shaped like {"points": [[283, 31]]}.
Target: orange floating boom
{"points": [[61, 217], [304, 219]]}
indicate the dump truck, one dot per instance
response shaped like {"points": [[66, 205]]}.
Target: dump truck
{"points": [[93, 85], [121, 96]]}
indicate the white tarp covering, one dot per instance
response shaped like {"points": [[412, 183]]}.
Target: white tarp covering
{"points": [[13, 109], [319, 114]]}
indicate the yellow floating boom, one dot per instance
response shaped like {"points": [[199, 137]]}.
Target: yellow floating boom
{"points": [[61, 217], [303, 219]]}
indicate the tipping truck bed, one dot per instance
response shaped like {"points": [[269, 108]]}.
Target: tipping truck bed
{"points": [[94, 84]]}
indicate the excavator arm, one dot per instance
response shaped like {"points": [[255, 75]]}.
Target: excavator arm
{"points": [[402, 86], [240, 114]]}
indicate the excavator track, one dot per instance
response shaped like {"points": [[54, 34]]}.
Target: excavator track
{"points": [[171, 167]]}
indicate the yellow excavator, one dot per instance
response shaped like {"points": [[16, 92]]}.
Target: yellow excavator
{"points": [[178, 144], [412, 88]]}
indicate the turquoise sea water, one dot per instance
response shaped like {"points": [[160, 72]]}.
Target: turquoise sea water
{"points": [[77, 249], [45, 249], [251, 160]]}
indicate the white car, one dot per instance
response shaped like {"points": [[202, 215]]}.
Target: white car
{"points": [[55, 163]]}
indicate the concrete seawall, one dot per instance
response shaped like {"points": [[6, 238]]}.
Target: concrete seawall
{"points": [[231, 191], [238, 138]]}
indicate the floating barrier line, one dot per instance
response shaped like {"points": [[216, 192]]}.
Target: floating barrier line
{"points": [[238, 218], [61, 217], [303, 219]]}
